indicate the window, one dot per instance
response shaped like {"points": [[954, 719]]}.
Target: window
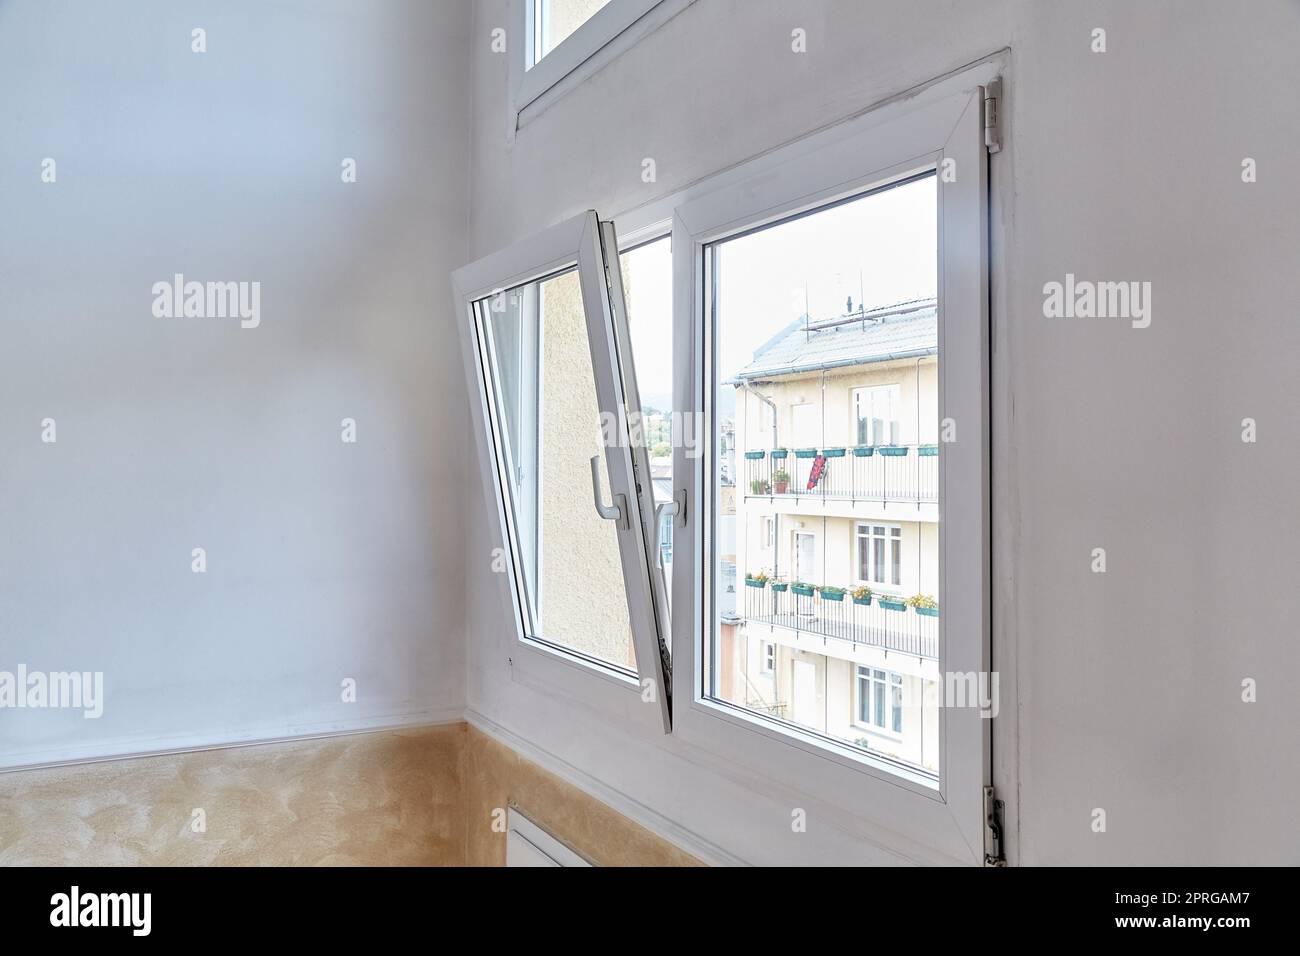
{"points": [[880, 554], [762, 256], [890, 237], [556, 20], [876, 415], [563, 37], [880, 699], [549, 355], [816, 277], [647, 274]]}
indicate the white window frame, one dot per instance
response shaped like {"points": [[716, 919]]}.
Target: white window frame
{"points": [[586, 243], [943, 121], [767, 666], [893, 532], [607, 34]]}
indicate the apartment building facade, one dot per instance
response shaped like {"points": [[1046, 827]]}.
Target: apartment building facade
{"points": [[836, 625]]}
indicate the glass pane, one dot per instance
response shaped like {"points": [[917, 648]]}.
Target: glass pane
{"points": [[648, 292], [831, 319], [543, 399], [896, 702], [555, 20]]}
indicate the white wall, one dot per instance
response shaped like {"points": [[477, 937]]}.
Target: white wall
{"points": [[325, 560], [1124, 687]]}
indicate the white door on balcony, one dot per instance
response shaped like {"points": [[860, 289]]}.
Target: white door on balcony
{"points": [[805, 558], [803, 694]]}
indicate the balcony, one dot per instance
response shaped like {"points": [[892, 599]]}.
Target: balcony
{"points": [[885, 474], [907, 631]]}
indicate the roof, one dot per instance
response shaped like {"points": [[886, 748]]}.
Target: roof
{"points": [[903, 330]]}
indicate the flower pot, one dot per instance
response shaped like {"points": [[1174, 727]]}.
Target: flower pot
{"points": [[832, 596], [893, 451], [863, 451], [780, 454], [928, 451], [863, 601], [780, 587], [755, 455], [804, 589], [928, 611], [806, 453], [893, 605], [750, 583], [833, 452], [781, 486]]}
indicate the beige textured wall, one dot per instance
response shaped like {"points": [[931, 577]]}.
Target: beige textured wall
{"points": [[392, 799], [421, 797], [497, 777]]}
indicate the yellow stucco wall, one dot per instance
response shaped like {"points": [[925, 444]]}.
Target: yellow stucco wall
{"points": [[420, 797], [583, 605], [384, 799]]}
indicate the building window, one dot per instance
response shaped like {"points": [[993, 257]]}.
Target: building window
{"points": [[875, 412], [769, 658], [880, 554], [880, 699]]}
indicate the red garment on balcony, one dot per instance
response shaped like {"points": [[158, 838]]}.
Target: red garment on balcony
{"points": [[815, 473]]}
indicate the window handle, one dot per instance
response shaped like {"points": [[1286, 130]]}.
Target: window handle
{"points": [[615, 512], [661, 509]]}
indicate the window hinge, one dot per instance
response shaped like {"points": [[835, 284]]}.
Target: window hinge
{"points": [[992, 114], [994, 852]]}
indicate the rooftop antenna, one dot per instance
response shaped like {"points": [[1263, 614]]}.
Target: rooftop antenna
{"points": [[806, 317], [862, 300]]}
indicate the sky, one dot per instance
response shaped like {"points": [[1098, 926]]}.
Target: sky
{"points": [[880, 249]]}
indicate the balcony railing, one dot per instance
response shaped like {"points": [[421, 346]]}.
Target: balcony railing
{"points": [[907, 631], [893, 473]]}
